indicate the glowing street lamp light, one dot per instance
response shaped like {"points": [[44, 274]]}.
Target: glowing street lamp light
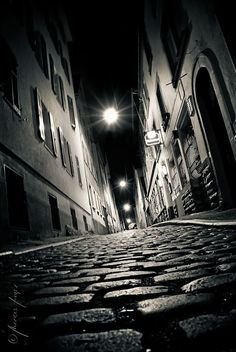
{"points": [[128, 220], [110, 115], [122, 183], [126, 207]]}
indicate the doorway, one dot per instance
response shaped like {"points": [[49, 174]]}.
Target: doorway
{"points": [[56, 224], [16, 199], [217, 138]]}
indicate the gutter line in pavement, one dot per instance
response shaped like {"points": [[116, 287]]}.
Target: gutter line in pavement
{"points": [[38, 248]]}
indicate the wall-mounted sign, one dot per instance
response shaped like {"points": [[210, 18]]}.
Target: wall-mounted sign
{"points": [[152, 138]]}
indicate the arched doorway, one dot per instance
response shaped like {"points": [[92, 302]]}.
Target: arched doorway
{"points": [[217, 137]]}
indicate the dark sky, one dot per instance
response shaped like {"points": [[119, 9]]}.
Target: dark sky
{"points": [[104, 54]]}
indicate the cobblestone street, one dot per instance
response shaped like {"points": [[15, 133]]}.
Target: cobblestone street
{"points": [[166, 288]]}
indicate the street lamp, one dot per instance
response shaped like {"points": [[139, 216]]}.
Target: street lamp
{"points": [[126, 207], [122, 183], [110, 115], [128, 220]]}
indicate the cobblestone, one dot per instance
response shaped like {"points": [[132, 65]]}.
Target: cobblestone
{"points": [[166, 305], [109, 341], [206, 283], [166, 288], [56, 300], [137, 291], [112, 284], [90, 316], [209, 323]]}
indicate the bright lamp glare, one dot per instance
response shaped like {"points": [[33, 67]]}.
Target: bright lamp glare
{"points": [[128, 221], [122, 184], [110, 115], [126, 207]]}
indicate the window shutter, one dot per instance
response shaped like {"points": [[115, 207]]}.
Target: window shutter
{"points": [[62, 145], [53, 73], [71, 160], [54, 143], [71, 111], [38, 104], [78, 170]]}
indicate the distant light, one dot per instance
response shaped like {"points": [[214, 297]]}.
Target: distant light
{"points": [[110, 115], [122, 183], [128, 221], [126, 207]]}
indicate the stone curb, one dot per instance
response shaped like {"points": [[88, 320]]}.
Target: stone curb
{"points": [[38, 248], [213, 223]]}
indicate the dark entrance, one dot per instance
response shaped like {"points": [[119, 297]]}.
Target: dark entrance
{"points": [[54, 212], [85, 223], [218, 140], [74, 218], [16, 198]]}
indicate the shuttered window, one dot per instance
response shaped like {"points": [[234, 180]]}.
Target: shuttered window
{"points": [[62, 147], [8, 76], [46, 128], [71, 111], [66, 154], [175, 33], [39, 114], [78, 171], [52, 74], [41, 52]]}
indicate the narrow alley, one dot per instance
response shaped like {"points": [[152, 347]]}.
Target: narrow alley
{"points": [[117, 176], [164, 288]]}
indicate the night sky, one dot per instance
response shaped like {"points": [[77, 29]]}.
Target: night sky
{"points": [[104, 54]]}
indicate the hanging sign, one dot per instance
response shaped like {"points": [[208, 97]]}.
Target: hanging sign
{"points": [[152, 138]]}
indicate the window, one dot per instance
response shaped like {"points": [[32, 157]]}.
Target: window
{"points": [[8, 76], [66, 155], [164, 114], [78, 171], [189, 143], [91, 196], [52, 74], [74, 218], [61, 93], [69, 161], [56, 225], [41, 52], [57, 83], [60, 51], [66, 68], [175, 33], [179, 163], [71, 111], [46, 126], [95, 199]]}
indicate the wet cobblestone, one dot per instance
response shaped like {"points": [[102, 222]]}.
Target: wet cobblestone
{"points": [[167, 289]]}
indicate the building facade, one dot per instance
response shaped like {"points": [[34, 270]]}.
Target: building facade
{"points": [[43, 175], [187, 99]]}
